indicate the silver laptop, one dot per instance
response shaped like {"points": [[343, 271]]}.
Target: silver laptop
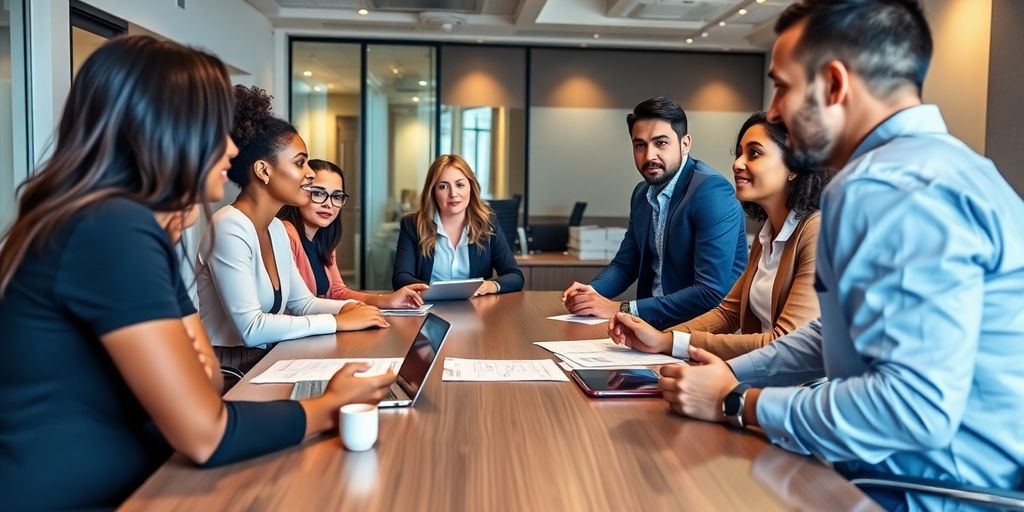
{"points": [[411, 376]]}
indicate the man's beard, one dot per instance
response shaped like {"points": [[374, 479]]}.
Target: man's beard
{"points": [[811, 144], [664, 178]]}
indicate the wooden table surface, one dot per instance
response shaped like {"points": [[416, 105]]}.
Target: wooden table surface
{"points": [[503, 446]]}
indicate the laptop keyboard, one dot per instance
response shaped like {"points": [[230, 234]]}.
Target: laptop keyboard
{"points": [[304, 389]]}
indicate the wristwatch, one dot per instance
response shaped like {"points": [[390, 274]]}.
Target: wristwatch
{"points": [[732, 406], [624, 307]]}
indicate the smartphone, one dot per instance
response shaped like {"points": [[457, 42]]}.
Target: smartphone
{"points": [[626, 382]]}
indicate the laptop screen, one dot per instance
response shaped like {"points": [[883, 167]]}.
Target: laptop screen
{"points": [[421, 354]]}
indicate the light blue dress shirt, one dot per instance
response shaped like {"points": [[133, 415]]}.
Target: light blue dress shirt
{"points": [[659, 216], [449, 263], [920, 277]]}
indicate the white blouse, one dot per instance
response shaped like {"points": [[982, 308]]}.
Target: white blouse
{"points": [[767, 267], [235, 292]]}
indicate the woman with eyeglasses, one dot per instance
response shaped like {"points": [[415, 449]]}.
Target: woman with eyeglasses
{"points": [[251, 293], [314, 231]]}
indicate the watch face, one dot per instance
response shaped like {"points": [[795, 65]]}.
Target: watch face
{"points": [[731, 405]]}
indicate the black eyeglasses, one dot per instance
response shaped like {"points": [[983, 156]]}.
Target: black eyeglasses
{"points": [[319, 195]]}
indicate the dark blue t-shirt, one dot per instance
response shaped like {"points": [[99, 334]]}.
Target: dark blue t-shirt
{"points": [[72, 434]]}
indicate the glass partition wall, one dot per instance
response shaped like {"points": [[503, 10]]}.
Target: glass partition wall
{"points": [[371, 109], [384, 111]]}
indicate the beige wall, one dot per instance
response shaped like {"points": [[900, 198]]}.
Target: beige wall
{"points": [[1005, 95], [958, 78], [621, 79]]}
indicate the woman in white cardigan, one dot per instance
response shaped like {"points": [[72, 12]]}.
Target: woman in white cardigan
{"points": [[251, 294]]}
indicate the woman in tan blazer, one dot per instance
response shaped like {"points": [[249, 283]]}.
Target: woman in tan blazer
{"points": [[775, 294]]}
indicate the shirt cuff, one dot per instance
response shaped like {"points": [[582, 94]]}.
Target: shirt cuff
{"points": [[774, 406], [681, 345], [632, 308], [322, 324], [744, 367]]}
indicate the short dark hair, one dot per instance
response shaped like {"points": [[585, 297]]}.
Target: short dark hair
{"points": [[326, 239], [886, 42], [804, 194], [258, 134], [659, 108]]}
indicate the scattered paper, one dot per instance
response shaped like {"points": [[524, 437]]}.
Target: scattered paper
{"points": [[589, 320], [294, 370], [456, 369], [602, 353], [420, 311]]}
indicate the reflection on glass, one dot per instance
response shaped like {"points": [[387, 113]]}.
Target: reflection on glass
{"points": [[325, 102], [10, 39], [490, 139], [400, 135]]}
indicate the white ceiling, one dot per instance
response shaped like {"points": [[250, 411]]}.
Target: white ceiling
{"points": [[590, 23]]}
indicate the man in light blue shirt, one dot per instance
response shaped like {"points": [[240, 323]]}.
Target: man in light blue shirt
{"points": [[920, 273]]}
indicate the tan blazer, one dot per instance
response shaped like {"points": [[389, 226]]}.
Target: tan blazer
{"points": [[794, 301]]}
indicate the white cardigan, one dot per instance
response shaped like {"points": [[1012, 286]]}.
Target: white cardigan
{"points": [[235, 293]]}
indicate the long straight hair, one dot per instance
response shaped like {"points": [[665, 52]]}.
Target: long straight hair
{"points": [[478, 214], [326, 239], [145, 120]]}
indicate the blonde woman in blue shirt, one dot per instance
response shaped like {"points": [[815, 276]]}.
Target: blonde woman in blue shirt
{"points": [[452, 235]]}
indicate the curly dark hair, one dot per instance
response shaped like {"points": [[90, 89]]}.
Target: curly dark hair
{"points": [[258, 134], [804, 194]]}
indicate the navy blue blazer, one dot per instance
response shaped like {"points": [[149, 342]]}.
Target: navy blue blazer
{"points": [[705, 248], [412, 267]]}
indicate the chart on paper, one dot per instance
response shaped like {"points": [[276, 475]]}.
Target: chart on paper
{"points": [[294, 370], [490, 370], [602, 353]]}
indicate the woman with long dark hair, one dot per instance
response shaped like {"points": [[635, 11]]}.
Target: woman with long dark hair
{"points": [[251, 293], [106, 367], [775, 294], [314, 231]]}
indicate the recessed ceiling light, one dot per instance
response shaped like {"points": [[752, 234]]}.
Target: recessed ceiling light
{"points": [[703, 34], [363, 12], [307, 73], [317, 88], [423, 83], [742, 12], [330, 86], [689, 40], [721, 23], [760, 1], [415, 99], [394, 71], [597, 36]]}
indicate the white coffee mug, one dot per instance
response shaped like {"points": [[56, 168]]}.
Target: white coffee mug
{"points": [[358, 426]]}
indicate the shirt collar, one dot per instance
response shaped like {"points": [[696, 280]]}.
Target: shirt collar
{"points": [[916, 120], [788, 227], [439, 228], [667, 189]]}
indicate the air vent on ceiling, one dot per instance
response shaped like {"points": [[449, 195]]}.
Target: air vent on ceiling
{"points": [[461, 6], [675, 10]]}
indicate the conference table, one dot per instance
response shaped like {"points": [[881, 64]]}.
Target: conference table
{"points": [[486, 446]]}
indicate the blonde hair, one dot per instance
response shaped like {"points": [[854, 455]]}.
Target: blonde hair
{"points": [[478, 214]]}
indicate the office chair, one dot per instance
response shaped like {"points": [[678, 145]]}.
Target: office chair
{"points": [[231, 377], [1001, 499], [576, 217], [506, 212]]}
